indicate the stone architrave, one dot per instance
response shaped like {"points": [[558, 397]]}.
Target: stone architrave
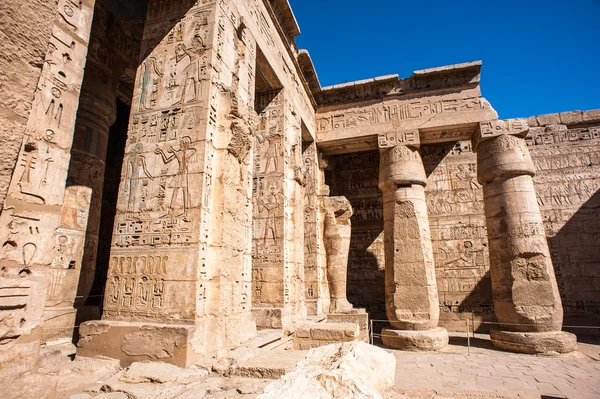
{"points": [[525, 292], [411, 296], [338, 230]]}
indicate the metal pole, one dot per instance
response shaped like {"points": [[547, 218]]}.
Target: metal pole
{"points": [[473, 324], [371, 333], [468, 337]]}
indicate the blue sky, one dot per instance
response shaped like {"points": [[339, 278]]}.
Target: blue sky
{"points": [[538, 56]]}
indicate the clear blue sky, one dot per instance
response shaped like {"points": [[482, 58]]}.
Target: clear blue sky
{"points": [[538, 56]]}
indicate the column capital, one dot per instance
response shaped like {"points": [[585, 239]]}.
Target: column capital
{"points": [[406, 137], [400, 165], [495, 128]]}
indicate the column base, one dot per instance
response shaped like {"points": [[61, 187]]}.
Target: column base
{"points": [[409, 340], [546, 343]]}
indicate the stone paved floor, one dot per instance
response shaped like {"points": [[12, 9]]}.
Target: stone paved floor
{"points": [[573, 376]]}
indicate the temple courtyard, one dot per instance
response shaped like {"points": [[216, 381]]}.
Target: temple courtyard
{"points": [[458, 371]]}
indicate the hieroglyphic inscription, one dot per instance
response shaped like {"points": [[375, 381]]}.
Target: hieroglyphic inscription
{"points": [[458, 229], [166, 178], [395, 113], [267, 250], [136, 285], [567, 184]]}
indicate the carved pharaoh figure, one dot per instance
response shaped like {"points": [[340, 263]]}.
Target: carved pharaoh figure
{"points": [[338, 229], [183, 155]]}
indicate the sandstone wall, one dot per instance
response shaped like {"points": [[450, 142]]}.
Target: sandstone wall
{"points": [[22, 56], [566, 154]]}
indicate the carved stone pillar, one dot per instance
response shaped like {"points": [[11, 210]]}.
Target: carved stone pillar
{"points": [[526, 298], [338, 230], [412, 304], [96, 113]]}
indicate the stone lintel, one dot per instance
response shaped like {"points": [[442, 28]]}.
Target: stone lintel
{"points": [[495, 128], [466, 75], [313, 335], [408, 137]]}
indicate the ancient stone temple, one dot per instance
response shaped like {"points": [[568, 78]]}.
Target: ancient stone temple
{"points": [[174, 177]]}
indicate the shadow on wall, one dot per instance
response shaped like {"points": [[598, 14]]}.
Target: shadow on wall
{"points": [[575, 250], [366, 280]]}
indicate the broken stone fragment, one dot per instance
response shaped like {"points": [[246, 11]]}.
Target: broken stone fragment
{"points": [[350, 370]]}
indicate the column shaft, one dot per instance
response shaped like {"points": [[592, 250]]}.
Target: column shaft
{"points": [[526, 298], [523, 282], [411, 290]]}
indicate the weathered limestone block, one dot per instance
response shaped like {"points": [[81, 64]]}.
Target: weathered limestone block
{"points": [[592, 115], [548, 119], [313, 335], [571, 118], [134, 342], [357, 316], [148, 380], [525, 292], [410, 283], [338, 230], [350, 370]]}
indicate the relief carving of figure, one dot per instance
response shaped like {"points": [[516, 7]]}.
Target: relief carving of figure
{"points": [[270, 205], [150, 68], [189, 87], [135, 161], [338, 230], [274, 143], [180, 181]]}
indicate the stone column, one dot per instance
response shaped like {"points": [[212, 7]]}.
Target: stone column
{"points": [[412, 304], [97, 112], [526, 298]]}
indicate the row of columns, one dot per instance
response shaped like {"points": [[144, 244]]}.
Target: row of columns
{"points": [[525, 293]]}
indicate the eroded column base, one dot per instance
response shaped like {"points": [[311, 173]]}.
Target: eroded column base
{"points": [[409, 340], [547, 343]]}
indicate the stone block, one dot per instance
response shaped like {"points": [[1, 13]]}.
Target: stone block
{"points": [[532, 121], [571, 118], [359, 317], [134, 342], [592, 115], [349, 370], [334, 331], [548, 119], [313, 335]]}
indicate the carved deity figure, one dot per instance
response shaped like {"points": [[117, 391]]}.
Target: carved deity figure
{"points": [[191, 72], [135, 161], [338, 229], [270, 205], [150, 68], [179, 182], [272, 152]]}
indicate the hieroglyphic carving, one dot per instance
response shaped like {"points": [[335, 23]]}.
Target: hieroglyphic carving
{"points": [[458, 230], [267, 251], [409, 137], [136, 285], [395, 113], [166, 180]]}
